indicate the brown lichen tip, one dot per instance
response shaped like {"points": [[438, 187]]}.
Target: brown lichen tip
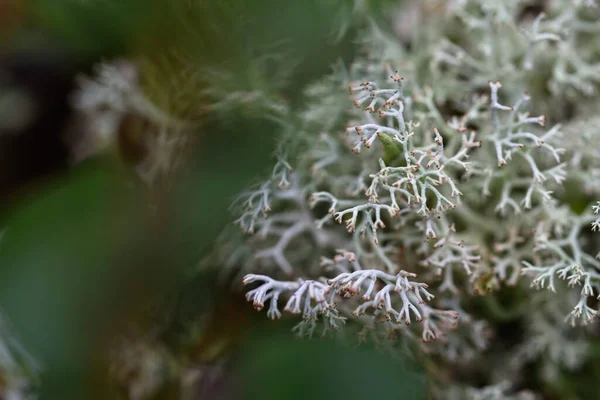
{"points": [[396, 77]]}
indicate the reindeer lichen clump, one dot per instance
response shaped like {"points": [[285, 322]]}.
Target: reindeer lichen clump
{"points": [[456, 181]]}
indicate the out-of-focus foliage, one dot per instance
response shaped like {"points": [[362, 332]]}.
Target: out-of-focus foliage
{"points": [[272, 367], [189, 51]]}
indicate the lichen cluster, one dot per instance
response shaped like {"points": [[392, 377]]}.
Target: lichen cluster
{"points": [[453, 167]]}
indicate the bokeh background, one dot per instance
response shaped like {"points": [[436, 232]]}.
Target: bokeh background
{"points": [[101, 292]]}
